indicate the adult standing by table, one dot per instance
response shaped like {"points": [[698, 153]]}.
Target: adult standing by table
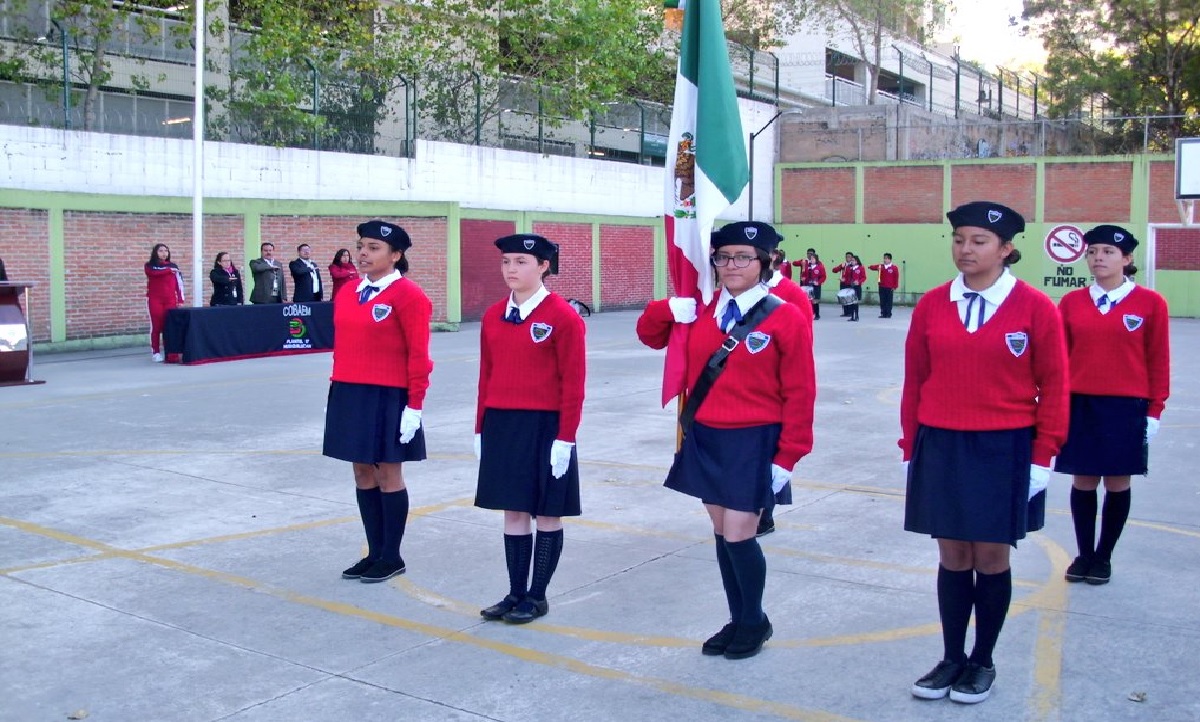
{"points": [[269, 284], [164, 291], [226, 281], [984, 409], [342, 271], [1119, 346], [381, 369], [306, 277]]}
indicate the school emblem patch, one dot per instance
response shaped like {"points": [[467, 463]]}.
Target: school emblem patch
{"points": [[529, 243], [756, 341], [1132, 322], [380, 311], [1017, 342], [540, 332], [994, 216]]}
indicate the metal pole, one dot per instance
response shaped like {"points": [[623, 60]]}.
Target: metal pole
{"points": [[755, 134], [479, 106], [957, 84], [62, 34], [641, 132], [316, 101], [1035, 95], [900, 89], [930, 89], [198, 165]]}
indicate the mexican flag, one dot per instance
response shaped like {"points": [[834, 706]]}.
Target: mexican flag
{"points": [[707, 170]]}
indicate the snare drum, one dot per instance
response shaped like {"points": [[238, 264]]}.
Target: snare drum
{"points": [[847, 297], [810, 292]]}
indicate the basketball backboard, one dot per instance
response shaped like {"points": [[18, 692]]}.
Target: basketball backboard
{"points": [[1187, 168]]}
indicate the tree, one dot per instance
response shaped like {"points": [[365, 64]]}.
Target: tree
{"points": [[1142, 56]]}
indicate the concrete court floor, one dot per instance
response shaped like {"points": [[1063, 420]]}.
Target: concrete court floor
{"points": [[171, 537]]}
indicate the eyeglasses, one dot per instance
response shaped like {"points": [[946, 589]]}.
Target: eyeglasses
{"points": [[741, 260]]}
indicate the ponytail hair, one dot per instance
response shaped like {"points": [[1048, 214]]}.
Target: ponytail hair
{"points": [[1013, 257], [1130, 270]]}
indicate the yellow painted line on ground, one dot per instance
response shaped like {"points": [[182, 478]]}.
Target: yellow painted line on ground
{"points": [[1048, 650], [890, 397], [557, 661]]}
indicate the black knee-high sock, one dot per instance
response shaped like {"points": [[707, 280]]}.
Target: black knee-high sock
{"points": [[750, 568], [993, 593], [546, 552], [395, 518], [1112, 522], [733, 593], [370, 508], [518, 552], [1083, 514], [956, 595]]}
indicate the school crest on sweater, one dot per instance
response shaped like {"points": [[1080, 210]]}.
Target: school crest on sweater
{"points": [[540, 332], [756, 341], [1017, 342], [1132, 322], [380, 311]]}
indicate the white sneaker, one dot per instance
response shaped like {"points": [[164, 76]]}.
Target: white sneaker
{"points": [[158, 358]]}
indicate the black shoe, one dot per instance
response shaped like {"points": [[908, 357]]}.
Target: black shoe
{"points": [[1100, 572], [937, 682], [382, 571], [500, 608], [766, 525], [719, 642], [1078, 570], [748, 640], [357, 570], [974, 685], [527, 610]]}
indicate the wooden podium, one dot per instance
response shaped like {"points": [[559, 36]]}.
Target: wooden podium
{"points": [[16, 338]]}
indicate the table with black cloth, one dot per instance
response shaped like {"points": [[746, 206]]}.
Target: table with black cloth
{"points": [[224, 333]]}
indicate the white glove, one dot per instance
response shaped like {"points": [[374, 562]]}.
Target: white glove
{"points": [[560, 457], [904, 469], [1151, 428], [683, 309], [779, 478], [1039, 479], [410, 421], [478, 447]]}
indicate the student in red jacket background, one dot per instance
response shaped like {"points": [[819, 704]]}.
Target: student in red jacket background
{"points": [[1119, 348], [381, 369], [983, 411], [164, 291], [753, 427], [531, 384], [342, 271], [853, 277], [889, 281], [812, 275]]}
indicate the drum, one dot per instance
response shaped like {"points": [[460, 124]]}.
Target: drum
{"points": [[847, 297], [810, 292]]}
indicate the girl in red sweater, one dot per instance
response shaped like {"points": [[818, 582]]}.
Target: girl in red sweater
{"points": [[1120, 379], [754, 425], [531, 378], [164, 291], [812, 274], [984, 408], [853, 277], [342, 271], [381, 370]]}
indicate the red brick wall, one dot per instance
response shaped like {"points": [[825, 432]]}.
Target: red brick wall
{"points": [[105, 253], [481, 283], [25, 250], [1162, 193], [1178, 248], [903, 194], [574, 279], [626, 266], [1088, 192], [327, 234], [817, 195], [1012, 185]]}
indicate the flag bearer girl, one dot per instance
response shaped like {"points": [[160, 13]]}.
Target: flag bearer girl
{"points": [[164, 291]]}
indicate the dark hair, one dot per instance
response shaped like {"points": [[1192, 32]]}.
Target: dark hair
{"points": [[1130, 270], [217, 260], [338, 255], [1013, 256], [402, 264], [154, 253], [263, 246], [887, 256], [302, 245], [856, 258], [812, 251], [765, 269], [816, 256]]}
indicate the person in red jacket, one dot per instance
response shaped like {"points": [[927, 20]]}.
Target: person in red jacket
{"points": [[889, 281], [853, 278], [983, 411], [342, 271], [381, 369], [164, 291], [532, 369], [812, 275], [1118, 344], [753, 427]]}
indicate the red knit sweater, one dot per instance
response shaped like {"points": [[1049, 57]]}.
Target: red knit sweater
{"points": [[791, 292], [517, 371], [776, 385], [853, 275], [388, 351], [889, 276], [1010, 374], [1108, 357]]}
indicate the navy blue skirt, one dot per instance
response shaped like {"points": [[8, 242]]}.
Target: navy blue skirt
{"points": [[730, 468], [1107, 437], [362, 425], [972, 486], [514, 468]]}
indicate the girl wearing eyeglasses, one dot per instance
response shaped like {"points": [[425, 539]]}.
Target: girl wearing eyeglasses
{"points": [[753, 427]]}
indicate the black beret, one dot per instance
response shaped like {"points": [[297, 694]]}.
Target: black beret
{"points": [[1113, 236], [530, 243], [390, 233], [1001, 220], [747, 233]]}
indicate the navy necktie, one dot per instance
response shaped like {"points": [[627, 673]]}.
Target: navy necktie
{"points": [[971, 298], [733, 314], [514, 315], [1102, 301], [364, 294]]}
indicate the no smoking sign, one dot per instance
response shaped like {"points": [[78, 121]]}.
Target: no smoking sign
{"points": [[1064, 244]]}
